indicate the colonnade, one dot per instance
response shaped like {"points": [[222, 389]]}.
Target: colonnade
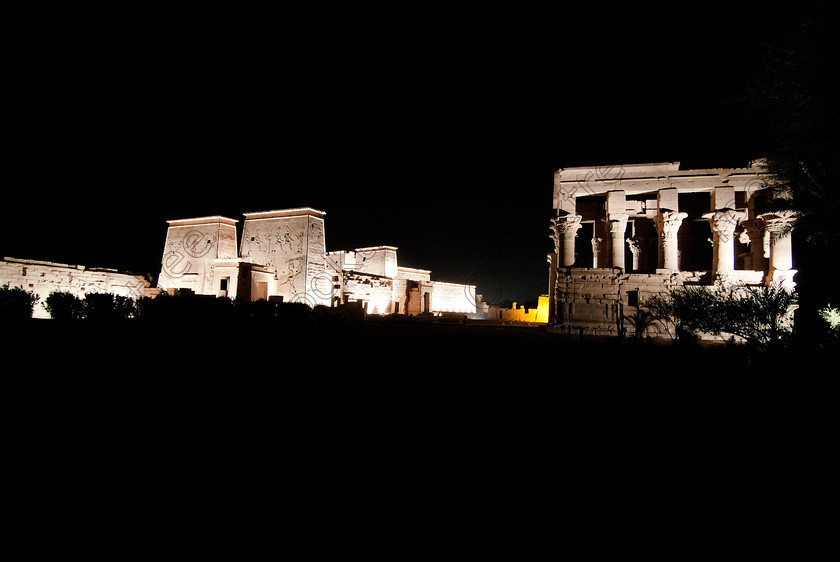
{"points": [[768, 235]]}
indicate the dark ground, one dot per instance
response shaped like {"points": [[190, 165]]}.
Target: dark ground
{"points": [[404, 438]]}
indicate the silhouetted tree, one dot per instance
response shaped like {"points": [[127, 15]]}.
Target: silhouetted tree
{"points": [[641, 320], [16, 303], [124, 307], [792, 95], [99, 306], [62, 305]]}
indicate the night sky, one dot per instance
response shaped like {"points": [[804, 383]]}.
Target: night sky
{"points": [[437, 132]]}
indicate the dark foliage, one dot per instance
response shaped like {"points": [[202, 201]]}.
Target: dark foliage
{"points": [[16, 303], [62, 305], [791, 96], [196, 309], [793, 93], [759, 315]]}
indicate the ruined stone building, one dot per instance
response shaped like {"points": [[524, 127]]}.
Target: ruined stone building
{"points": [[624, 233], [283, 256], [41, 278]]}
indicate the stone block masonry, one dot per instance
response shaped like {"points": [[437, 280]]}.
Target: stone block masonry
{"points": [[659, 227], [597, 300], [283, 256], [42, 278]]}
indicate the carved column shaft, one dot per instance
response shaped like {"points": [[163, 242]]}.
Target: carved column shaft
{"points": [[754, 229], [618, 224], [779, 226], [564, 230], [635, 249], [597, 244], [668, 225], [723, 224]]}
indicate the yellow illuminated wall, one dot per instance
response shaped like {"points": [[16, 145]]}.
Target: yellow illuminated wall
{"points": [[522, 314]]}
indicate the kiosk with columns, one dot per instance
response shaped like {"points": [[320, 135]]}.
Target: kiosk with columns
{"points": [[649, 228]]}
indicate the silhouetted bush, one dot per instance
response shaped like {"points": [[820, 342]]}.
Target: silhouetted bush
{"points": [[99, 307], [184, 308], [281, 313], [293, 313], [16, 303], [759, 315], [62, 305]]}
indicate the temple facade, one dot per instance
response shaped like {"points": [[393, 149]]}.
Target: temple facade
{"points": [[624, 233], [283, 257]]}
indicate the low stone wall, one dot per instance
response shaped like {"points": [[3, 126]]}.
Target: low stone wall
{"points": [[596, 300], [42, 278], [453, 297]]}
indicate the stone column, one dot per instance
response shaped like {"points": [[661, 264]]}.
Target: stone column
{"points": [[723, 223], [667, 225], [636, 244], [616, 210], [597, 244], [780, 224], [563, 232], [754, 229], [618, 224], [639, 243]]}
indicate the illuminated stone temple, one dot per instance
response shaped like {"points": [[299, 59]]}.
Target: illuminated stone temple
{"points": [[624, 233], [283, 257]]}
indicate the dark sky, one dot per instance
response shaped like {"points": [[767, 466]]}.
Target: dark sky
{"points": [[435, 132]]}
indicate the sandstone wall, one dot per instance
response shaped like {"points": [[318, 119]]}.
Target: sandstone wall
{"points": [[294, 247], [191, 252], [42, 278], [453, 297], [597, 300]]}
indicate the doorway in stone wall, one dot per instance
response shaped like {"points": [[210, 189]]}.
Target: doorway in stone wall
{"points": [[260, 291]]}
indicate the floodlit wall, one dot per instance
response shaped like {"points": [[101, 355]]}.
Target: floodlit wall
{"points": [[374, 292], [522, 314], [42, 278], [597, 301], [412, 274], [378, 260], [291, 243], [453, 297], [192, 252]]}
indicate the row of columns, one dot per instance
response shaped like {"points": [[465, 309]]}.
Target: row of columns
{"points": [[768, 235]]}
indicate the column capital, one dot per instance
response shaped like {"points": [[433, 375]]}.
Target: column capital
{"points": [[668, 222], [724, 221], [566, 223], [617, 224], [563, 232], [779, 225], [564, 227], [779, 221]]}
